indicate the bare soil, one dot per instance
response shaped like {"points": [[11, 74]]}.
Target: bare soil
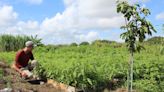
{"points": [[12, 79]]}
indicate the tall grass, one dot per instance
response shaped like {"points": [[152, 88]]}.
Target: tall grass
{"points": [[13, 43]]}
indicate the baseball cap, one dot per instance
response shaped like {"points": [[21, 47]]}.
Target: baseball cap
{"points": [[29, 44]]}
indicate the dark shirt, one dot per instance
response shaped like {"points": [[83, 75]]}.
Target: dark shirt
{"points": [[22, 58]]}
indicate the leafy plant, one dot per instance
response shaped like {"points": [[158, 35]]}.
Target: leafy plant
{"points": [[93, 67], [74, 44], [14, 43], [84, 43], [137, 28]]}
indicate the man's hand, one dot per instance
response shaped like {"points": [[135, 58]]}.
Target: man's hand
{"points": [[23, 74]]}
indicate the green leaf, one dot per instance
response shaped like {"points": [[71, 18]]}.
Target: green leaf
{"points": [[136, 24], [89, 81], [145, 11]]}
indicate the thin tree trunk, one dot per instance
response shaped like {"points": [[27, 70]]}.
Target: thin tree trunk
{"points": [[129, 68], [128, 83], [131, 72]]}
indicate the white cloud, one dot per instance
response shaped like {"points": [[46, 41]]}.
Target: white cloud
{"points": [[7, 16], [82, 15], [82, 20], [26, 28], [70, 25], [91, 36], [160, 16], [9, 23]]}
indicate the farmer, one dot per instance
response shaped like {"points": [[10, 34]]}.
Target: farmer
{"points": [[22, 63]]}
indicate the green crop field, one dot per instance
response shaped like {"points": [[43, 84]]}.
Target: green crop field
{"points": [[91, 46], [94, 66]]}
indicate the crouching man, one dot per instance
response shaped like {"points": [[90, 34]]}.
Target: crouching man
{"points": [[22, 63]]}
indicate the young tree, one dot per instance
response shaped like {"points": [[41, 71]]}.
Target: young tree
{"points": [[137, 27]]}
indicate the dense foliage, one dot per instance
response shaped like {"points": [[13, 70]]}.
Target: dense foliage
{"points": [[136, 24], [13, 43], [84, 43], [94, 66], [156, 40], [137, 27]]}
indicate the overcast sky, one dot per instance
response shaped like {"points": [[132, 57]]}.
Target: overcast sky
{"points": [[67, 21]]}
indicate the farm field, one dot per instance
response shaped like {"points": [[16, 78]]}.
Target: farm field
{"points": [[96, 66], [81, 46]]}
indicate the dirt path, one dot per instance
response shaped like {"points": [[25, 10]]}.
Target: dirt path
{"points": [[11, 79]]}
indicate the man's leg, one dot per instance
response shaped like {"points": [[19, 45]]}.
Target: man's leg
{"points": [[32, 65], [27, 72]]}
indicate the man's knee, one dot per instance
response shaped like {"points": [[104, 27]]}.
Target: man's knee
{"points": [[34, 63], [27, 73]]}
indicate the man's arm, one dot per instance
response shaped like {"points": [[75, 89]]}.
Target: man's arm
{"points": [[21, 72], [31, 56], [17, 66]]}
